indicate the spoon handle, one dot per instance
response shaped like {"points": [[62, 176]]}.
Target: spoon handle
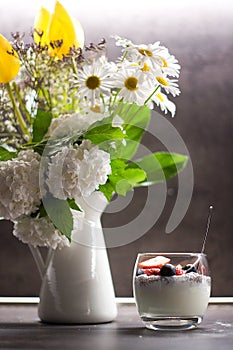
{"points": [[207, 227]]}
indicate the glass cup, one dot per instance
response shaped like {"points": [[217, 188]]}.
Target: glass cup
{"points": [[171, 290]]}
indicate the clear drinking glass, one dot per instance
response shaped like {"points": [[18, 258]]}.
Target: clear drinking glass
{"points": [[171, 290]]}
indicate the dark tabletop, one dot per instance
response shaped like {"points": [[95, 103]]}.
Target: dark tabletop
{"points": [[20, 329]]}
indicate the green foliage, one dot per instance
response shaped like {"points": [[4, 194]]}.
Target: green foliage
{"points": [[72, 204], [41, 124], [122, 179], [126, 175], [5, 154], [107, 189], [160, 166], [121, 142], [104, 134], [136, 119], [151, 169], [60, 214]]}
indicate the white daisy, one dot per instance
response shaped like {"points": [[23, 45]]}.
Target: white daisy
{"points": [[152, 57], [164, 103], [169, 85], [145, 54], [169, 64], [144, 71], [132, 85], [93, 80], [122, 41]]}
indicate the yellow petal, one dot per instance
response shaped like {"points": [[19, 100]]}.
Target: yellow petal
{"points": [[79, 34], [62, 32], [41, 25], [9, 61]]}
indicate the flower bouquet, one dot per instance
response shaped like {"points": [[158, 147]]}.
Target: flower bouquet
{"points": [[71, 122]]}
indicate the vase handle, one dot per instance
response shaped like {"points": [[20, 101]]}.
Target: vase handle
{"points": [[41, 265]]}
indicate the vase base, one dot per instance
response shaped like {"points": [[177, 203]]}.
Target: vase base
{"points": [[74, 323], [77, 317], [67, 321]]}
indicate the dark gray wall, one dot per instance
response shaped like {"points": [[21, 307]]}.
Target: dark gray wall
{"points": [[200, 34]]}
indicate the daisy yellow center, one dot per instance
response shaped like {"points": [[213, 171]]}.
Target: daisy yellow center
{"points": [[162, 81], [164, 62], [95, 109], [145, 68], [160, 97], [131, 83], [145, 52], [92, 82]]}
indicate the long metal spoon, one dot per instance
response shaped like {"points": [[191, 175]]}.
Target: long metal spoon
{"points": [[210, 213], [207, 227]]}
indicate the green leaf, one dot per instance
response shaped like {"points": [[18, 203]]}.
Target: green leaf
{"points": [[160, 166], [41, 124], [107, 189], [128, 180], [60, 214], [136, 120], [121, 143], [72, 204], [123, 178], [104, 134], [133, 114], [5, 154]]}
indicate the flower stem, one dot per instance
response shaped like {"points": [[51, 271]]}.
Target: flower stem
{"points": [[22, 105], [74, 66], [19, 116], [124, 56], [148, 98]]}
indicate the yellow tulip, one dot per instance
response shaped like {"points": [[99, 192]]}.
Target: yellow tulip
{"points": [[9, 61], [41, 24], [59, 31]]}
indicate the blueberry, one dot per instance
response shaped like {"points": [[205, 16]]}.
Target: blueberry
{"points": [[139, 272], [168, 270], [189, 268]]}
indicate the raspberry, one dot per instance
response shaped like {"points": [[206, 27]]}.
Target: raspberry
{"points": [[179, 270], [152, 271]]}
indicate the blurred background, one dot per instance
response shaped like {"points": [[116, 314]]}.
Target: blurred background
{"points": [[200, 34]]}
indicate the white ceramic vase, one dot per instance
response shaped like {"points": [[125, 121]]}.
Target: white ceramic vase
{"points": [[77, 285]]}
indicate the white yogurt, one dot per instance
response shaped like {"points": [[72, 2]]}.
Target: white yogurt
{"points": [[175, 296]]}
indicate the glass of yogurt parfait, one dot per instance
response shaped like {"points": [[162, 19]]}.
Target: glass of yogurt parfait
{"points": [[171, 290]]}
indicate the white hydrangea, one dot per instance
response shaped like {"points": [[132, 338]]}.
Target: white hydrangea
{"points": [[19, 185], [94, 169], [39, 232], [76, 124], [63, 172], [78, 171]]}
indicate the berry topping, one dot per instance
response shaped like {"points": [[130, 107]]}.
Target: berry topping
{"points": [[157, 262], [179, 270], [189, 268], [168, 270], [152, 271]]}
